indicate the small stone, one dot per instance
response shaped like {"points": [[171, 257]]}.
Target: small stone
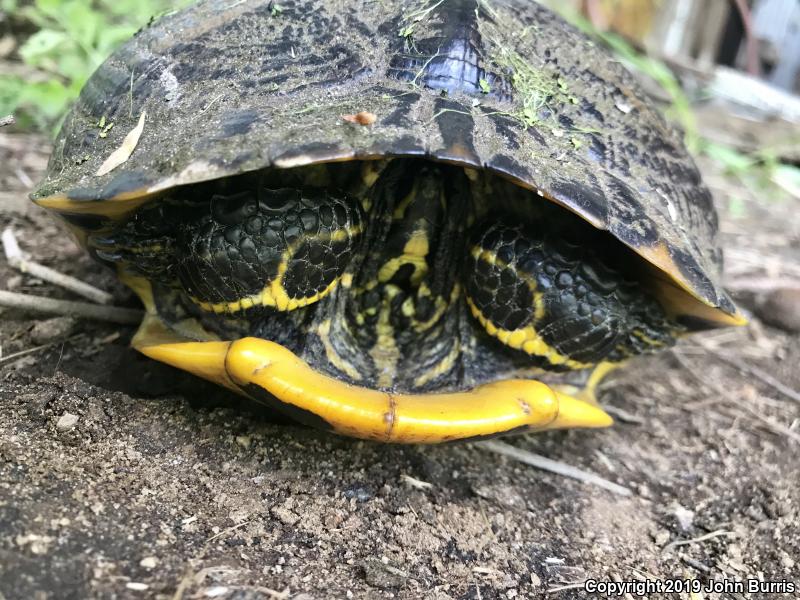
{"points": [[661, 538], [149, 562], [137, 587], [217, 591], [52, 330], [781, 308], [684, 516], [67, 422], [383, 576], [624, 107], [284, 515]]}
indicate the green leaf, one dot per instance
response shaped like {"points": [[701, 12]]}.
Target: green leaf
{"points": [[10, 89], [73, 38], [485, 87], [737, 207], [788, 178], [81, 22], [49, 7], [731, 159], [108, 38], [50, 98], [45, 43], [74, 65]]}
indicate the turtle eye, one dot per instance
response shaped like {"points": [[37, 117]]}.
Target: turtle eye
{"points": [[284, 249], [556, 300]]}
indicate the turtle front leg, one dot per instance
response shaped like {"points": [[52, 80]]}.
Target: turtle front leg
{"points": [[540, 291]]}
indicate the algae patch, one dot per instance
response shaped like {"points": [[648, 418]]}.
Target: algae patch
{"points": [[538, 90], [538, 93], [413, 19]]}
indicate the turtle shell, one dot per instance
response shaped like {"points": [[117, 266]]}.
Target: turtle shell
{"points": [[230, 86]]}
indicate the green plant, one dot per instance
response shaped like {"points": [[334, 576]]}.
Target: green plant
{"points": [[761, 173], [72, 38]]}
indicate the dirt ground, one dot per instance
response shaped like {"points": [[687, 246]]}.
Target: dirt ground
{"points": [[122, 478]]}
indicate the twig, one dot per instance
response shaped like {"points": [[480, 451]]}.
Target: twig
{"points": [[702, 538], [623, 415], [227, 531], [773, 426], [696, 564], [9, 120], [571, 586], [21, 353], [416, 483], [82, 310], [755, 372], [16, 259], [761, 284], [723, 397], [553, 466]]}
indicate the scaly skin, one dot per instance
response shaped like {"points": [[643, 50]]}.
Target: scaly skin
{"points": [[402, 289]]}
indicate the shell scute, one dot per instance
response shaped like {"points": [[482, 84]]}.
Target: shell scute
{"points": [[231, 87]]}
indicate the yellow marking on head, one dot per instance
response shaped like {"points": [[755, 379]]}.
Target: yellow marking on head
{"points": [[526, 339], [414, 253], [402, 206], [337, 361], [440, 304], [370, 414], [371, 172], [408, 308], [154, 249], [647, 339]]}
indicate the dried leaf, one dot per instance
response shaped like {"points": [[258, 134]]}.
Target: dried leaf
{"points": [[362, 118], [123, 153]]}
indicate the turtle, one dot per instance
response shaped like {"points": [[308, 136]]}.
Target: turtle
{"points": [[409, 221]]}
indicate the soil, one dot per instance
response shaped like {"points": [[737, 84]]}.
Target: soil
{"points": [[123, 478]]}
